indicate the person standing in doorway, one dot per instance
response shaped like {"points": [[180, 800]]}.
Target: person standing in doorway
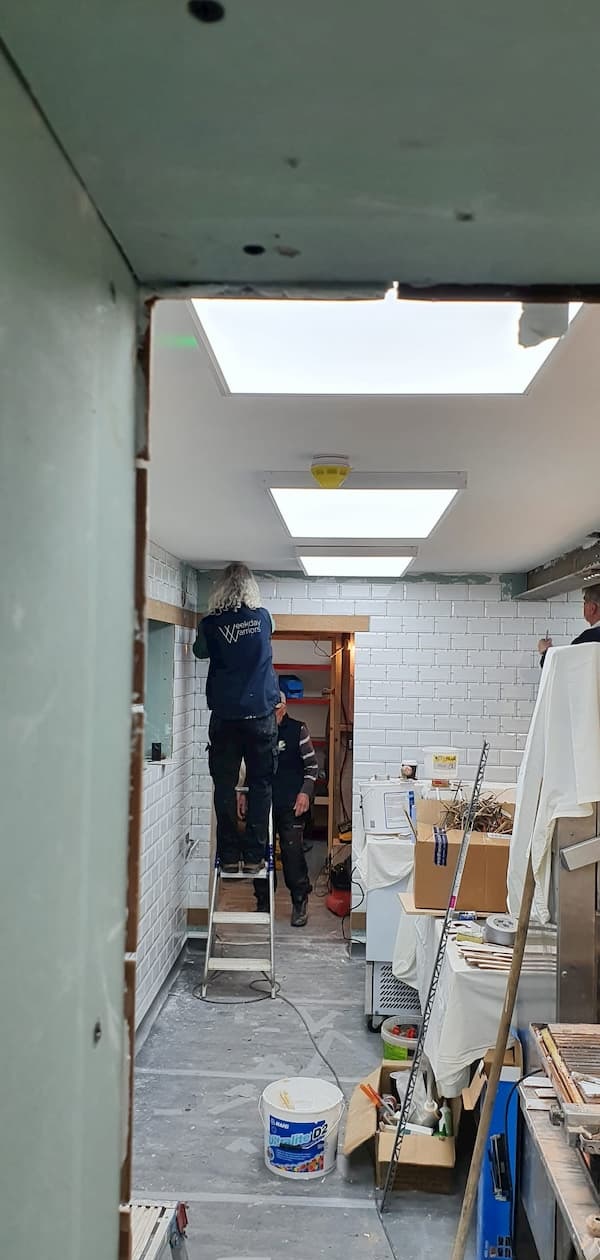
{"points": [[591, 613], [242, 693], [293, 790]]}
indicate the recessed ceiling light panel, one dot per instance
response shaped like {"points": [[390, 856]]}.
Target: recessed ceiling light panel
{"points": [[365, 562], [369, 348], [361, 513]]}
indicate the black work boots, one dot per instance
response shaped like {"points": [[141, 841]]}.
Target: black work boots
{"points": [[300, 912], [299, 908]]}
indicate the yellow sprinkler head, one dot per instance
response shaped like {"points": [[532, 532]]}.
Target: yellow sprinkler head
{"points": [[330, 471]]}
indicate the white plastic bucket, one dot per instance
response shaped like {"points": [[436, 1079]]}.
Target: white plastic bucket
{"points": [[394, 1045], [301, 1117], [441, 764]]}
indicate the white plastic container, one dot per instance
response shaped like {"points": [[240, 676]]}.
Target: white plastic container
{"points": [[385, 804], [301, 1118], [441, 764]]}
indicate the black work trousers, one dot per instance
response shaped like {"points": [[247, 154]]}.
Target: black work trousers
{"points": [[254, 740], [295, 871]]}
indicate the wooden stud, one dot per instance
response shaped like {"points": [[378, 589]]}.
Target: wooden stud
{"points": [[130, 981], [318, 627], [156, 610], [335, 746], [138, 683], [197, 916], [124, 1233]]}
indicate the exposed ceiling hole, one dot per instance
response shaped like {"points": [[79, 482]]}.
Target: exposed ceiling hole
{"points": [[294, 162], [206, 10], [287, 251], [464, 216], [112, 291], [254, 249]]}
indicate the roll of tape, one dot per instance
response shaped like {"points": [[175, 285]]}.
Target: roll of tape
{"points": [[500, 929]]}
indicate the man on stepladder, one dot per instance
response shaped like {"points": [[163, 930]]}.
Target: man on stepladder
{"points": [[293, 791], [242, 692]]}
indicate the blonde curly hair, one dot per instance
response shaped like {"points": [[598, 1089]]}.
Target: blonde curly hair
{"points": [[235, 588]]}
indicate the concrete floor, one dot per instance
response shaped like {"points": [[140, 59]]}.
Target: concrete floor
{"points": [[198, 1136]]}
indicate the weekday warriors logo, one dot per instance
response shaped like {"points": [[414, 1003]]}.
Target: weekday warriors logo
{"points": [[239, 629]]}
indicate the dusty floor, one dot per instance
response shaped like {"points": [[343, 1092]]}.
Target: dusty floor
{"points": [[198, 1135]]}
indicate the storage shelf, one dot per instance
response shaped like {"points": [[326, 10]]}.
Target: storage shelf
{"points": [[299, 665], [308, 700]]}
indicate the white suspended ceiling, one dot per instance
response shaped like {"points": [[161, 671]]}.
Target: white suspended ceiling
{"points": [[530, 461]]}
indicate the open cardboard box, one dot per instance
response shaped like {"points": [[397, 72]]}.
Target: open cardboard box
{"points": [[426, 1163], [483, 885], [512, 1071]]}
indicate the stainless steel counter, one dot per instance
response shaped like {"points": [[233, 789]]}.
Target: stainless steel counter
{"points": [[555, 1176]]}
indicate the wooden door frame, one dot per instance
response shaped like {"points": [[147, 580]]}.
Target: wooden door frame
{"points": [[136, 768]]}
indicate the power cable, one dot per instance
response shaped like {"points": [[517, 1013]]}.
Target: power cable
{"points": [[279, 996]]}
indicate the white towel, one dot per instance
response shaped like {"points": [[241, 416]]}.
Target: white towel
{"points": [[384, 860], [560, 770]]}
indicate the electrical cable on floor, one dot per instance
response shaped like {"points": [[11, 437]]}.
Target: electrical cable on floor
{"points": [[281, 997], [197, 993], [323, 873], [353, 884]]}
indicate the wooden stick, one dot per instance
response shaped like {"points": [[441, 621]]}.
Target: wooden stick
{"points": [[512, 984]]}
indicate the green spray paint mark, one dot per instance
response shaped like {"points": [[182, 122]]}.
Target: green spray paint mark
{"points": [[174, 342]]}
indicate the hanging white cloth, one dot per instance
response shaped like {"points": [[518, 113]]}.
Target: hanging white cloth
{"points": [[384, 860], [560, 770]]}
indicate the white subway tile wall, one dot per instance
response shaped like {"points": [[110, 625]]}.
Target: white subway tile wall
{"points": [[169, 798], [442, 663]]}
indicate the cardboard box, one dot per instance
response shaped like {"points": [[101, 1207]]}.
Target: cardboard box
{"points": [[426, 1163], [483, 886]]}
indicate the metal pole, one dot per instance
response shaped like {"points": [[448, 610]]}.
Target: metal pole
{"points": [[271, 879], [211, 924], [435, 975]]}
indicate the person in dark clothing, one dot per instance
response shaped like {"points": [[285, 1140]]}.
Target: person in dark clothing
{"points": [[242, 692], [293, 791], [591, 612]]}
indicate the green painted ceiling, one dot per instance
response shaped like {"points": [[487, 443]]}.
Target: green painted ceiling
{"points": [[354, 143]]}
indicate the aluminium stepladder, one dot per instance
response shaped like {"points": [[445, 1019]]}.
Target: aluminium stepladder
{"points": [[216, 917]]}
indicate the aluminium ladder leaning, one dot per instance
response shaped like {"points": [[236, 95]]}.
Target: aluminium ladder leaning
{"points": [[252, 918]]}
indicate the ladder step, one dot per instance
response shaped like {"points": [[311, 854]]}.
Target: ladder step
{"points": [[241, 916], [264, 874], [239, 964]]}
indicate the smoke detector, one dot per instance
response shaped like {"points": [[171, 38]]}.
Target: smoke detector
{"points": [[330, 471]]}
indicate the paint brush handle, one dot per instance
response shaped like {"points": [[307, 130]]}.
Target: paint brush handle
{"points": [[376, 1098]]}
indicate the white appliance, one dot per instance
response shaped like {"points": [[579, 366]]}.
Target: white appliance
{"points": [[385, 804], [385, 868]]}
